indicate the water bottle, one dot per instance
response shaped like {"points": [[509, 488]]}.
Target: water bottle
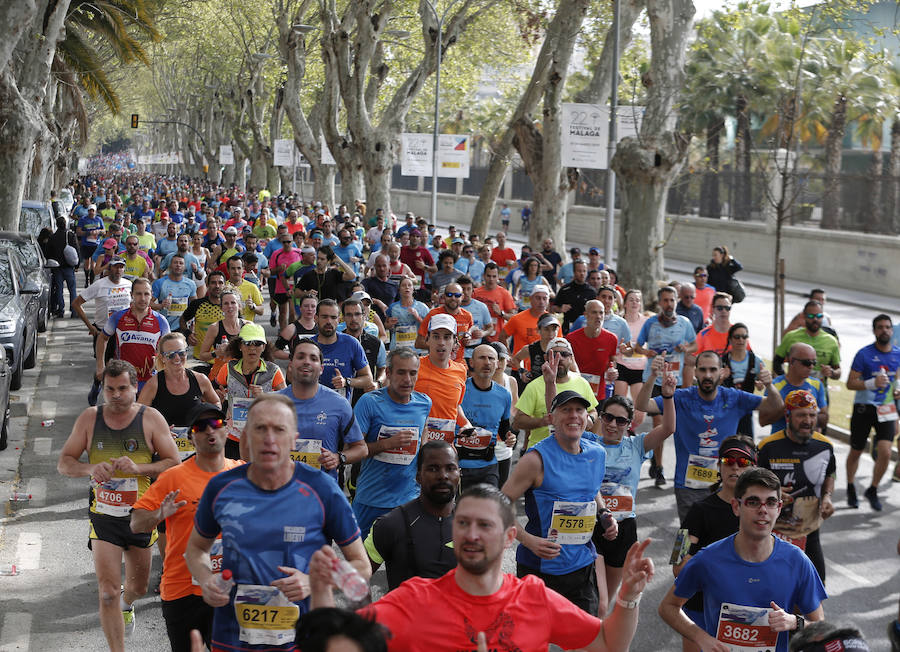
{"points": [[225, 581], [8, 569], [610, 386], [19, 497], [348, 580]]}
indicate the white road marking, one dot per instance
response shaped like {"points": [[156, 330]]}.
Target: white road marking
{"points": [[47, 410], [28, 552], [42, 445], [16, 632], [51, 380], [856, 578], [54, 357]]}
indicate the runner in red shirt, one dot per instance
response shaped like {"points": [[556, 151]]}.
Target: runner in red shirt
{"points": [[417, 257], [595, 349], [504, 256], [476, 603]]}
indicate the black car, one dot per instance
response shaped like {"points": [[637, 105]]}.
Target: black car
{"points": [[35, 267], [18, 315]]}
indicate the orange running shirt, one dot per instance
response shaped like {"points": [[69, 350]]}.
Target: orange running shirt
{"points": [[446, 389], [502, 298], [464, 324], [523, 328], [191, 480]]}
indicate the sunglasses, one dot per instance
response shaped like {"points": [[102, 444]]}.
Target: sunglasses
{"points": [[740, 337], [564, 354], [253, 343], [180, 353], [701, 275], [609, 418], [815, 315], [456, 295], [804, 362], [725, 308], [754, 502], [212, 422], [742, 462]]}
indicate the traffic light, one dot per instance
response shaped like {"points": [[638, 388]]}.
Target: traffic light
{"points": [[134, 120]]}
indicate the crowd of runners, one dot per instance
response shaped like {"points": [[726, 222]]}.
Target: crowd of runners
{"points": [[416, 383]]}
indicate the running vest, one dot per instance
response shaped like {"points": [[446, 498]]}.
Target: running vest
{"points": [[116, 496], [175, 407], [239, 397]]}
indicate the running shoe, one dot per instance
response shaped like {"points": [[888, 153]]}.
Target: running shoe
{"points": [[272, 318], [94, 394], [872, 496], [660, 478], [894, 635], [128, 617]]}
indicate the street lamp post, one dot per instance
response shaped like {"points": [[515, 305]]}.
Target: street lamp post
{"points": [[437, 102], [609, 247]]}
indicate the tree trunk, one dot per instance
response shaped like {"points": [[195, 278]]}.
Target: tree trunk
{"points": [[647, 166], [710, 206], [834, 142], [323, 185], [352, 184], [39, 179], [542, 150], [893, 216], [743, 191], [378, 163], [873, 221]]}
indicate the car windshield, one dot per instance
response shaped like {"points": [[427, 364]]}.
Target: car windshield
{"points": [[27, 252], [6, 282], [33, 220]]}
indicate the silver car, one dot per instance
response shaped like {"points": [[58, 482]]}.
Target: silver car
{"points": [[18, 316], [5, 378], [35, 267], [34, 216]]}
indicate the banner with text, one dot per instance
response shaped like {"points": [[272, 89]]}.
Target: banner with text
{"points": [[585, 136], [327, 158], [453, 155], [226, 155]]}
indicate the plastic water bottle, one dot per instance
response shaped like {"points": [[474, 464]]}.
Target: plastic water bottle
{"points": [[19, 497], [8, 569], [225, 581], [348, 580]]}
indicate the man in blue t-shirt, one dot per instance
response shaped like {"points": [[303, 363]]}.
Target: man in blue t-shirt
{"points": [[344, 362], [325, 420], [273, 514], [671, 335], [348, 251], [751, 581], [173, 293], [874, 376], [392, 420], [487, 405], [705, 415], [89, 229]]}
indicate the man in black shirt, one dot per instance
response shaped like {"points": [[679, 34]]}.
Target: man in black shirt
{"points": [[328, 282], [415, 539], [572, 296], [554, 259], [354, 319], [380, 287]]}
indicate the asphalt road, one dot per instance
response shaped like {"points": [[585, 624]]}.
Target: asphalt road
{"points": [[52, 604]]}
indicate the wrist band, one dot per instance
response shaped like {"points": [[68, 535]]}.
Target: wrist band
{"points": [[628, 604], [870, 384]]}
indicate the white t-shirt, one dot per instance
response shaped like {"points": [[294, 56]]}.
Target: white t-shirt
{"points": [[108, 297]]}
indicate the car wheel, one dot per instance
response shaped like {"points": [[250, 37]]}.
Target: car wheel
{"points": [[31, 360], [16, 378], [4, 432]]}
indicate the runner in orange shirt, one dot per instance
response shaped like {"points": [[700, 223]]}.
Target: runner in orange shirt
{"points": [[715, 336], [522, 327], [443, 380], [173, 498], [452, 298], [498, 299]]}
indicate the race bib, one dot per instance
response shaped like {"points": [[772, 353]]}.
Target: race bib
{"points": [[240, 406], [265, 616], [745, 629], [215, 559], [886, 412], [572, 522], [115, 496], [177, 306], [307, 451], [477, 441], [403, 455], [405, 335], [701, 472], [183, 443], [800, 542], [617, 498], [597, 384], [440, 429]]}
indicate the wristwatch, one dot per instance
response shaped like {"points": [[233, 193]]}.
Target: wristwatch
{"points": [[342, 458], [801, 622]]}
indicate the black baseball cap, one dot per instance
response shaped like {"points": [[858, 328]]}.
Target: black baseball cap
{"points": [[568, 395], [201, 410]]}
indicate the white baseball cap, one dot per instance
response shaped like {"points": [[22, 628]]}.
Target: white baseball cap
{"points": [[442, 320]]}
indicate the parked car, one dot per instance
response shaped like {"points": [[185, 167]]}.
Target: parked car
{"points": [[18, 316], [36, 268], [36, 215], [67, 199], [4, 399]]}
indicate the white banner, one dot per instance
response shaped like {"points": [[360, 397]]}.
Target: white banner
{"points": [[226, 155], [168, 158], [585, 136], [453, 155], [283, 155], [327, 158], [628, 121]]}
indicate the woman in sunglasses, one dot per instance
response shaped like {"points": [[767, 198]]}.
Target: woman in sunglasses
{"points": [[625, 454], [712, 518], [249, 373], [175, 389], [214, 349], [740, 367]]}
